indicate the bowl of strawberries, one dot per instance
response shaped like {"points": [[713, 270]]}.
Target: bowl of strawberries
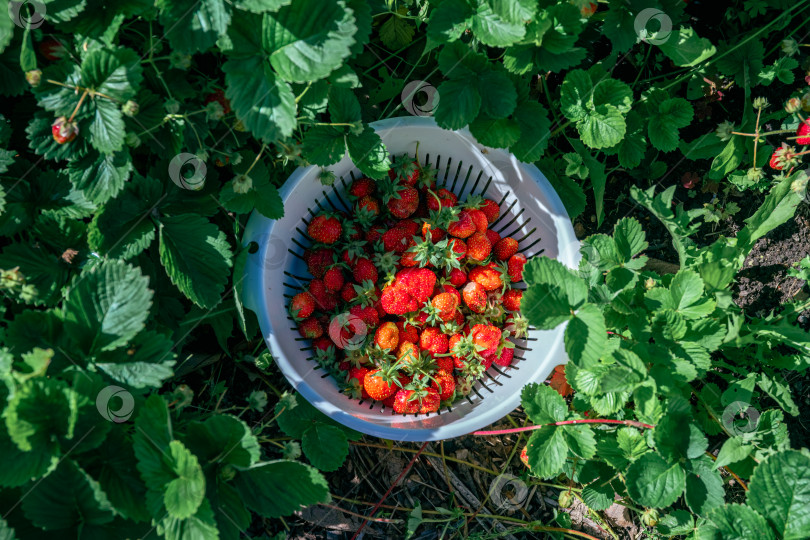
{"points": [[394, 305]]}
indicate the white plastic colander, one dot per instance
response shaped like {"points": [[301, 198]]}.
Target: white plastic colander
{"points": [[531, 212]]}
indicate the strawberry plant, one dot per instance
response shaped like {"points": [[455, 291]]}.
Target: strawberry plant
{"points": [[137, 137]]}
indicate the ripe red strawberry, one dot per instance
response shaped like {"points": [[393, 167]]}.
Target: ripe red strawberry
{"points": [[459, 317], [776, 161], [302, 305], [364, 269], [318, 261], [475, 296], [487, 361], [396, 300], [367, 314], [396, 239], [486, 336], [443, 199], [310, 328], [333, 279], [405, 169], [409, 225], [478, 247], [459, 247], [511, 299], [374, 234], [430, 400], [404, 203], [387, 336], [419, 282], [362, 187], [494, 237], [505, 358], [487, 276], [324, 228], [379, 384], [464, 226], [490, 209], [479, 218], [347, 293], [431, 231], [515, 267], [369, 204], [448, 288], [506, 248], [457, 277], [445, 304], [218, 95], [444, 383], [434, 341], [405, 402], [63, 131], [408, 258], [355, 379], [407, 332], [804, 133]]}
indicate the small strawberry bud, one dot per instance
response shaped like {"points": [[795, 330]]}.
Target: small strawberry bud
{"points": [[132, 140], [242, 184], [565, 499], [327, 178], [760, 103], [179, 60], [214, 111], [130, 108], [724, 130], [172, 106], [790, 46], [806, 102], [783, 157], [755, 174], [33, 77], [793, 105], [649, 283], [650, 517]]}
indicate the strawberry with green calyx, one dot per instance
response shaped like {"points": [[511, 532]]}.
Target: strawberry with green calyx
{"points": [[784, 157], [479, 219], [326, 177], [493, 237], [327, 359], [302, 305], [333, 278], [457, 277], [406, 402], [804, 133], [488, 207], [353, 250], [505, 355], [453, 326], [517, 325], [323, 343], [400, 200], [408, 355], [396, 300], [489, 276], [405, 170], [354, 387], [445, 384], [325, 228], [383, 381], [441, 308], [396, 239], [486, 337], [427, 178], [434, 341], [325, 299], [366, 210], [443, 217]]}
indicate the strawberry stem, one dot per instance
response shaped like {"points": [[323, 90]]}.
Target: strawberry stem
{"points": [[632, 423], [78, 106]]}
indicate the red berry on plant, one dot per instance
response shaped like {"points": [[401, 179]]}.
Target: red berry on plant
{"points": [[64, 131]]}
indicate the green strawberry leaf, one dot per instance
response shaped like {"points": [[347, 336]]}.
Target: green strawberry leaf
{"points": [[196, 256], [533, 123], [223, 439], [686, 48], [325, 446], [671, 115], [459, 105], [543, 404], [106, 306], [100, 177], [547, 451], [279, 488], [147, 362], [653, 482], [323, 145], [780, 491], [704, 486], [735, 522], [194, 25], [369, 153], [602, 127]]}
